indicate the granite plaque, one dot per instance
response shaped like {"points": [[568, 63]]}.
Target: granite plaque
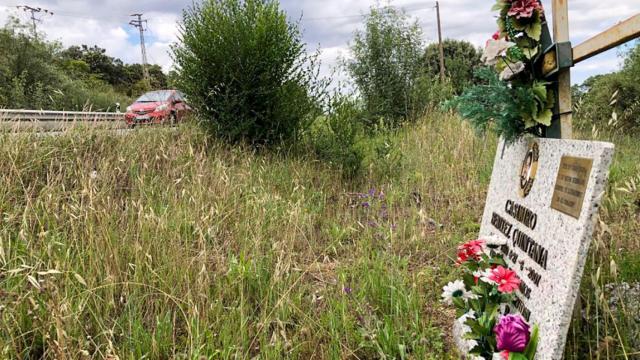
{"points": [[546, 247]]}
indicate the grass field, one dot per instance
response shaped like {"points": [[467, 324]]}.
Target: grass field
{"points": [[165, 244]]}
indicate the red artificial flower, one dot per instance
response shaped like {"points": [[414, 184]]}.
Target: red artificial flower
{"points": [[524, 8], [506, 279], [470, 250], [505, 354], [496, 35]]}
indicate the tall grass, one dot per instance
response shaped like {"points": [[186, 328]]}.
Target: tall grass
{"points": [[166, 244]]}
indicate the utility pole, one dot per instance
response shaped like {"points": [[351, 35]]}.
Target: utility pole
{"points": [[139, 23], [34, 19], [440, 43]]}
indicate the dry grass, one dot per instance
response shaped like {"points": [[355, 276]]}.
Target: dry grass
{"points": [[163, 244]]}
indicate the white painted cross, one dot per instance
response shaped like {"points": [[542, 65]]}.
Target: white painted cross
{"points": [[616, 35]]}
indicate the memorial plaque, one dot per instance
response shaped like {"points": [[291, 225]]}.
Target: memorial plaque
{"points": [[546, 247], [568, 194]]}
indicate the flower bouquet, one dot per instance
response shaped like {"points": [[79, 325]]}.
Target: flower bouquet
{"points": [[485, 328], [512, 97]]}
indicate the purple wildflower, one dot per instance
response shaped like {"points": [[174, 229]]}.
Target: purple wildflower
{"points": [[347, 290]]}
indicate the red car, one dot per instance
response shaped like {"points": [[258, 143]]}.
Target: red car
{"points": [[157, 107]]}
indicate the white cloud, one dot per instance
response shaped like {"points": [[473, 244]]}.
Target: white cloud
{"points": [[328, 24]]}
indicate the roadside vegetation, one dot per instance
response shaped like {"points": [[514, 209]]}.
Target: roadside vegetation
{"points": [[285, 220], [40, 74]]}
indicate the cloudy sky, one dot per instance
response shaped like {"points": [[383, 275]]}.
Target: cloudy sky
{"points": [[328, 24]]}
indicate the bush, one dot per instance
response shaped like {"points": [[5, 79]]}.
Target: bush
{"points": [[386, 65], [334, 137], [461, 59], [244, 67], [618, 92]]}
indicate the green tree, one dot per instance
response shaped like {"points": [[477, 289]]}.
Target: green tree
{"points": [[461, 59], [244, 67], [617, 92], [387, 64]]}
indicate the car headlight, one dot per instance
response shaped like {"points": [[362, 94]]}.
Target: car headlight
{"points": [[128, 108], [162, 107]]}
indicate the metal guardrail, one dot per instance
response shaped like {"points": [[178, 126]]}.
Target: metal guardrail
{"points": [[45, 115]]}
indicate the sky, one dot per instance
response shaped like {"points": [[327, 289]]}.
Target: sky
{"points": [[328, 25]]}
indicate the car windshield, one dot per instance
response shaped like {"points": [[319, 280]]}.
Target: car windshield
{"points": [[154, 96]]}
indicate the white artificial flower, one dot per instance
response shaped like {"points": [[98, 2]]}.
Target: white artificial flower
{"points": [[460, 329], [495, 49], [455, 289], [512, 70], [497, 356], [484, 276]]}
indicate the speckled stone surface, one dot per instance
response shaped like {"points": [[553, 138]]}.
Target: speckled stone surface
{"points": [[565, 238]]}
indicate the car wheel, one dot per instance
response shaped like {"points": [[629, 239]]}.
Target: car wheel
{"points": [[131, 126]]}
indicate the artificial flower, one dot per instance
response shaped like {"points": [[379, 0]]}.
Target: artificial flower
{"points": [[512, 70], [494, 50], [470, 250], [512, 333], [524, 8], [506, 279], [464, 329], [455, 289]]}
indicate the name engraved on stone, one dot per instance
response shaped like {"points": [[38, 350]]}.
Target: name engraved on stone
{"points": [[571, 184], [544, 245]]}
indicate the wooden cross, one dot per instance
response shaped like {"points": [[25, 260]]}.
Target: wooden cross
{"points": [[560, 57]]}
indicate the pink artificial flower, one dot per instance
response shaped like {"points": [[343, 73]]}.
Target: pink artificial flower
{"points": [[524, 8], [470, 250], [512, 333], [506, 279], [496, 35]]}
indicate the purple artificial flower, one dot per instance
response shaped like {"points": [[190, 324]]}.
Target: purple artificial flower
{"points": [[372, 192], [512, 333], [365, 204]]}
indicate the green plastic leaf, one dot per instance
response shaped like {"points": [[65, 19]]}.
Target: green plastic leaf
{"points": [[532, 346], [499, 5], [534, 30], [530, 53], [459, 303], [517, 356], [545, 117]]}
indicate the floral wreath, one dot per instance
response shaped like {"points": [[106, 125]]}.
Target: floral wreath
{"points": [[486, 327], [518, 100]]}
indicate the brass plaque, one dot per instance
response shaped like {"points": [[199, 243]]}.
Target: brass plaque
{"points": [[549, 63], [571, 184]]}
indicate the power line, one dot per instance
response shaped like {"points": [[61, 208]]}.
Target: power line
{"points": [[406, 9], [34, 19], [440, 46], [139, 23]]}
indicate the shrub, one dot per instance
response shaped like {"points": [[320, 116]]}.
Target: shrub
{"points": [[461, 59], [386, 64], [244, 67], [334, 137]]}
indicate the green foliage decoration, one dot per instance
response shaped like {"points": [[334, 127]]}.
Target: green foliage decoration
{"points": [[512, 99]]}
